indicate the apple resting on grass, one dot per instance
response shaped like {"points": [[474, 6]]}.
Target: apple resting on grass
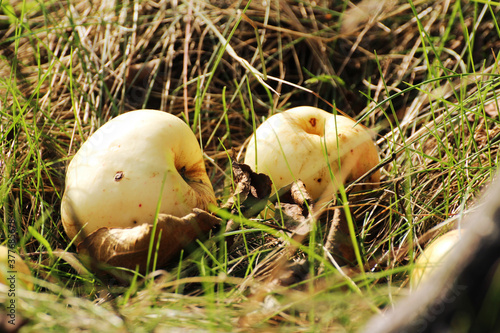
{"points": [[127, 167], [308, 143], [433, 255]]}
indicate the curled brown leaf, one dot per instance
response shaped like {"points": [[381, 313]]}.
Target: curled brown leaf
{"points": [[250, 194], [129, 247], [296, 206], [250, 188]]}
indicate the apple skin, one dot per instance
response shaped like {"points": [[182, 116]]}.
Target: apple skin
{"points": [[291, 145], [115, 179], [20, 267], [433, 255]]}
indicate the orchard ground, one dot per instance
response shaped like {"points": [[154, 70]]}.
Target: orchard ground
{"points": [[422, 74]]}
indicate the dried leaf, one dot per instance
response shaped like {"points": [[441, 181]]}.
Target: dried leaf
{"points": [[251, 187], [296, 206], [251, 192], [129, 247]]}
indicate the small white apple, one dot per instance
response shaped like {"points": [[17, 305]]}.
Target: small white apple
{"points": [[433, 255], [323, 150], [115, 180], [13, 270]]}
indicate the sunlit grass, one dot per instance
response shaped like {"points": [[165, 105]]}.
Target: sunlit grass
{"points": [[64, 74]]}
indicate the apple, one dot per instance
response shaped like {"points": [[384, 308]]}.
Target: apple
{"points": [[130, 165], [323, 150], [13, 270], [432, 256]]}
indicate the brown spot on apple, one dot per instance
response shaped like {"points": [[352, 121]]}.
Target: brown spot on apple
{"points": [[312, 121], [119, 176]]}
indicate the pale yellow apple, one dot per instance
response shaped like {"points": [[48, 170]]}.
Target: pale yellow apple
{"points": [[128, 166], [323, 150], [433, 255], [14, 272]]}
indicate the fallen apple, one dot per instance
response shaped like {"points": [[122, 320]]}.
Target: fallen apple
{"points": [[130, 165], [323, 150], [14, 272], [432, 256]]}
